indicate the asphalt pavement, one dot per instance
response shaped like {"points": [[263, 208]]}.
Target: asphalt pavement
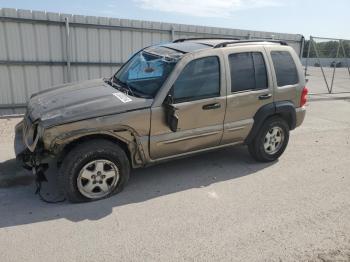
{"points": [[218, 206]]}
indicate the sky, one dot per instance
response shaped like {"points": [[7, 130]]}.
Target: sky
{"points": [[306, 17]]}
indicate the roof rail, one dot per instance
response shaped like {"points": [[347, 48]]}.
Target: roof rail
{"points": [[180, 40], [224, 44]]}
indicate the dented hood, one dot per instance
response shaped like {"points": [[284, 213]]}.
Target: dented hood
{"points": [[82, 100]]}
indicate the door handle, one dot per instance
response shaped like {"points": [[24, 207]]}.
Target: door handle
{"points": [[265, 96], [211, 106]]}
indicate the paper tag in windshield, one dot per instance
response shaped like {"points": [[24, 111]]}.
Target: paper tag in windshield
{"points": [[122, 97]]}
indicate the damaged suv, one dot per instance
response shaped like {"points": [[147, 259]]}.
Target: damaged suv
{"points": [[167, 101]]}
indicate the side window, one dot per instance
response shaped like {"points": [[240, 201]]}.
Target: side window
{"points": [[286, 71], [248, 71], [199, 79], [260, 71]]}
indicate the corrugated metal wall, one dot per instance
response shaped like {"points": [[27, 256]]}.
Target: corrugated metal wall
{"points": [[35, 50]]}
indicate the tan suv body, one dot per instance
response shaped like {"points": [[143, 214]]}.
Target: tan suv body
{"points": [[167, 101]]}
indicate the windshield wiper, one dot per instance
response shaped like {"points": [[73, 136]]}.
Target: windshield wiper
{"points": [[125, 86], [132, 90], [121, 86], [142, 95]]}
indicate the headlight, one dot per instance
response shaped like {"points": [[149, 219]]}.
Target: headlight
{"points": [[32, 133]]}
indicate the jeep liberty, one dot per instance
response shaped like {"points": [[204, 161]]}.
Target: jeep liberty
{"points": [[167, 101]]}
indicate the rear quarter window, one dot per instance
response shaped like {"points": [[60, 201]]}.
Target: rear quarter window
{"points": [[285, 68]]}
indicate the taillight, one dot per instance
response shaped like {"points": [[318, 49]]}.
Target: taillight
{"points": [[303, 97]]}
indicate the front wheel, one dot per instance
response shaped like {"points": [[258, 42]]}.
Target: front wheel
{"points": [[271, 140], [94, 170]]}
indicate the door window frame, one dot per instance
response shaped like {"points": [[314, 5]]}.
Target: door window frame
{"points": [[266, 69], [184, 100], [244, 49], [187, 58], [295, 66]]}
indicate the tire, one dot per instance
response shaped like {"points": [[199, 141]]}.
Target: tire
{"points": [[87, 158], [261, 146]]}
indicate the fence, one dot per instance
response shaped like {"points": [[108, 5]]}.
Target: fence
{"points": [[325, 62], [39, 49], [335, 56]]}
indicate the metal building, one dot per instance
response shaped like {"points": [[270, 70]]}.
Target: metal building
{"points": [[39, 49]]}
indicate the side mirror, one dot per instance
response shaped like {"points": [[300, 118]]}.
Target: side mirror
{"points": [[169, 100], [172, 119]]}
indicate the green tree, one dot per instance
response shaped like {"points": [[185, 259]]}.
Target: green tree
{"points": [[327, 49]]}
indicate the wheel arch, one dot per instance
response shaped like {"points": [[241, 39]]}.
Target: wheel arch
{"points": [[124, 139], [283, 109], [286, 110]]}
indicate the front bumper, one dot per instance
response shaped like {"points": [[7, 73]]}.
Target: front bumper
{"points": [[36, 161], [19, 143], [32, 155], [23, 155]]}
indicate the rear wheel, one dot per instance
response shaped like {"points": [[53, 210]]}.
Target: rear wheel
{"points": [[271, 140], [94, 170]]}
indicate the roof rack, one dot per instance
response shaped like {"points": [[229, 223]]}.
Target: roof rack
{"points": [[180, 40], [224, 44]]}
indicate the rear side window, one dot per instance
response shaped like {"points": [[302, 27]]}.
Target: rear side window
{"points": [[285, 68], [248, 71], [199, 79]]}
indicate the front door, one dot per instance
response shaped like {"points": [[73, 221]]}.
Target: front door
{"points": [[200, 107]]}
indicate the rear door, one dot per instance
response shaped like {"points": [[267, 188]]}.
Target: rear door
{"points": [[250, 87]]}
